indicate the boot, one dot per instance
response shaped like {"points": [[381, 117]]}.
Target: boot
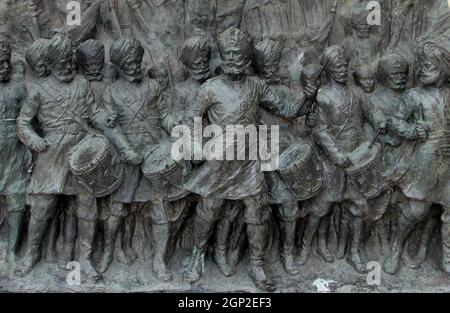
{"points": [[287, 238], [86, 234], [112, 227], [220, 247], [343, 234], [127, 237], [36, 233], [121, 255], [445, 234], [257, 239], [53, 239], [356, 245], [15, 221], [404, 229], [308, 235], [161, 236], [70, 236], [416, 261], [322, 234]]}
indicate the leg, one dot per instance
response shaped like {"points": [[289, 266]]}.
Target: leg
{"points": [[357, 231], [344, 222], [127, 236], [416, 261], [87, 215], [445, 237], [42, 210], [207, 213], [287, 217], [112, 225], [70, 234], [257, 214], [16, 206], [411, 213], [318, 210], [220, 243], [322, 239], [161, 236], [52, 237]]}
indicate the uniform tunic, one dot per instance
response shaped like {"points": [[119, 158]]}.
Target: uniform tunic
{"points": [[15, 159], [227, 102], [55, 105]]}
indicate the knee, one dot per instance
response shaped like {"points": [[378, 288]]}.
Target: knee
{"points": [[445, 217], [288, 212], [16, 203], [415, 210], [42, 206], [86, 207]]}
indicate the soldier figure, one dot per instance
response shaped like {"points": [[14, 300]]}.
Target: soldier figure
{"points": [[267, 59], [339, 132], [62, 104], [15, 158], [427, 180], [233, 98]]}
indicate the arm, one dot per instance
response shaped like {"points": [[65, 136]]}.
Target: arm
{"points": [[324, 138], [25, 130], [283, 102]]}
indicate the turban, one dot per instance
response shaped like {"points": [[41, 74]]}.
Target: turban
{"points": [[5, 50], [37, 52], [123, 48], [91, 49], [267, 50], [234, 38], [393, 61], [438, 53], [59, 46], [192, 47], [332, 55]]}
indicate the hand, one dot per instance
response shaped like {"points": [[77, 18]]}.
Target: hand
{"points": [[343, 161], [311, 120], [383, 127], [422, 132], [131, 157], [39, 145], [310, 90], [111, 121]]}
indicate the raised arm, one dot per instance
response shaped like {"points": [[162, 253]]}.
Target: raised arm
{"points": [[282, 101]]}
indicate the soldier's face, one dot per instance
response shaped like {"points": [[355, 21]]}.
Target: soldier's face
{"points": [[366, 82], [338, 72], [93, 70], [397, 79], [5, 70], [270, 70], [64, 69], [430, 73], [200, 66], [131, 68], [234, 62], [41, 69], [362, 30]]}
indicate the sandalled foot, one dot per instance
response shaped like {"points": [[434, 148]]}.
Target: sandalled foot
{"points": [[326, 255], [391, 263], [354, 259], [106, 261], [29, 261], [290, 266], [220, 257], [160, 268]]}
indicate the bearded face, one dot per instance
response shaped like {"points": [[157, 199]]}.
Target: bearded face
{"points": [[234, 62], [430, 74], [64, 69], [338, 70], [131, 68], [5, 70], [397, 79], [200, 66], [270, 71], [93, 69]]}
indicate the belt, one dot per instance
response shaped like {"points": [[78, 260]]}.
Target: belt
{"points": [[66, 129]]}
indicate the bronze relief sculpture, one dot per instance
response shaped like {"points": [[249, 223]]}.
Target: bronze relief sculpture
{"points": [[252, 133]]}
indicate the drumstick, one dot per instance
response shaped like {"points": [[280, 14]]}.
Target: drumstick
{"points": [[372, 142]]}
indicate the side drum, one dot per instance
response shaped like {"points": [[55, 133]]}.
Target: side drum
{"points": [[166, 175], [365, 171], [301, 171], [96, 165]]}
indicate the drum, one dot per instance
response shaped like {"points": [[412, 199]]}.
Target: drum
{"points": [[166, 175], [301, 171], [96, 165], [365, 171]]}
